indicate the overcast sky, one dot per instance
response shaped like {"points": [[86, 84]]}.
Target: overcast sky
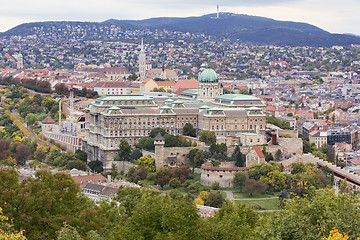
{"points": [[336, 16]]}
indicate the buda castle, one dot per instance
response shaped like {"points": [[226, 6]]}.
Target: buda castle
{"points": [[110, 119]]}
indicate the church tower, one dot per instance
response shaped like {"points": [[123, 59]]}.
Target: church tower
{"points": [[19, 60], [142, 61]]}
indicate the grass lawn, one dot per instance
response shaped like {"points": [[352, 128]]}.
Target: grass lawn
{"points": [[147, 182], [195, 177], [268, 204], [238, 195]]}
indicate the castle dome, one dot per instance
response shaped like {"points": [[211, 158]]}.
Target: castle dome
{"points": [[208, 75]]}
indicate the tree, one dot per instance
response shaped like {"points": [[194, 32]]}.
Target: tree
{"points": [[146, 143], [221, 148], [170, 140], [253, 186], [80, 165], [213, 148], [215, 186], [314, 218], [239, 180], [81, 155], [31, 119], [240, 160], [40, 153], [96, 166], [297, 168], [4, 145], [6, 229], [208, 137], [174, 183], [22, 154], [278, 155], [215, 199], [148, 162], [136, 154], [42, 204], [124, 151], [68, 232], [162, 176], [232, 221], [189, 130], [155, 131], [199, 158], [181, 173]]}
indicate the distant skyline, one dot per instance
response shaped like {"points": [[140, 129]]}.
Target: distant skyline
{"points": [[331, 15]]}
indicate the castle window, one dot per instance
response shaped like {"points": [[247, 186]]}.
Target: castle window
{"points": [[208, 175], [221, 176]]}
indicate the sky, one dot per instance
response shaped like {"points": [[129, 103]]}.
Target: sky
{"points": [[335, 16]]}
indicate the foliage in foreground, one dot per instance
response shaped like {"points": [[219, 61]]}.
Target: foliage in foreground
{"points": [[51, 206]]}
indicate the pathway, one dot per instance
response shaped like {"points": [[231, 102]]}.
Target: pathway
{"points": [[229, 195]]}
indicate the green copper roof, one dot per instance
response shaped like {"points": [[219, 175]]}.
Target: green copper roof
{"points": [[190, 91], [208, 75], [124, 97], [237, 97]]}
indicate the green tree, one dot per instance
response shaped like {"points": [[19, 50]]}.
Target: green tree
{"points": [[189, 130], [305, 218], [208, 137], [81, 155], [96, 166], [146, 143], [68, 232], [215, 199], [136, 154], [171, 140], [199, 158], [174, 183], [232, 221], [124, 151], [155, 131], [30, 119], [254, 186], [239, 180], [278, 155], [40, 205]]}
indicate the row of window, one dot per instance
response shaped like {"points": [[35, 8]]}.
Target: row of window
{"points": [[128, 102]]}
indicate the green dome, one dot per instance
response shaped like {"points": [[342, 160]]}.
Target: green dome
{"points": [[208, 75]]}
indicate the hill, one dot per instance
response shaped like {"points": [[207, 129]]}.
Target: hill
{"points": [[238, 27]]}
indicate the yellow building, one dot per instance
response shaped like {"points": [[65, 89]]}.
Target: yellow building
{"points": [[147, 85], [318, 137]]}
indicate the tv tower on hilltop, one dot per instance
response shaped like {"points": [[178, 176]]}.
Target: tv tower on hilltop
{"points": [[217, 12]]}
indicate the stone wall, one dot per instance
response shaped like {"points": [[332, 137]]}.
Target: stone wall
{"points": [[223, 176], [123, 166], [173, 156], [292, 133]]}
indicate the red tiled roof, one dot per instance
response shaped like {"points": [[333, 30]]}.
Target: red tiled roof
{"points": [[210, 168], [48, 120], [83, 180], [259, 152], [112, 85], [165, 83]]}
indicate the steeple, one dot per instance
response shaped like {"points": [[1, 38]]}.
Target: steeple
{"points": [[142, 61]]}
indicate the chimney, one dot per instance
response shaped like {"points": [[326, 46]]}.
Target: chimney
{"points": [[109, 178]]}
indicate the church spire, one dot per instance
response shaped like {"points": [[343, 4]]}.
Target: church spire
{"points": [[142, 61]]}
